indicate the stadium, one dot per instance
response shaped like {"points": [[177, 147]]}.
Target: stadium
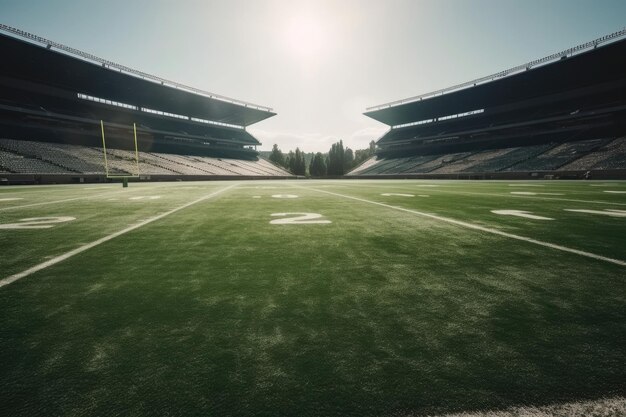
{"points": [[559, 116], [154, 262]]}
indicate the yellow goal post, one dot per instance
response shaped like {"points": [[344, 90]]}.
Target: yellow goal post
{"points": [[106, 162]]}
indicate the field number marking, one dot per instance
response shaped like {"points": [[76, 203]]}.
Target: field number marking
{"points": [[284, 196], [301, 218], [397, 194], [606, 212], [520, 213], [37, 223]]}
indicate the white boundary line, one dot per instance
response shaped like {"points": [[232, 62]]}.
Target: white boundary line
{"points": [[527, 197], [43, 203], [61, 258], [84, 197], [483, 229]]}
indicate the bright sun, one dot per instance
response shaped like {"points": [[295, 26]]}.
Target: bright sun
{"points": [[306, 36]]}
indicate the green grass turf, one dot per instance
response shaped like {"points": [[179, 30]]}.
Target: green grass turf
{"points": [[212, 310]]}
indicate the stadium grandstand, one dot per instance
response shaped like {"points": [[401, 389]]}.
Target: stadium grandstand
{"points": [[562, 116], [57, 102]]}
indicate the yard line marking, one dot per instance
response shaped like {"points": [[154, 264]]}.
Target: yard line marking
{"points": [[483, 229], [397, 194], [61, 258], [11, 199], [539, 198], [612, 213], [43, 203], [571, 408], [59, 201], [284, 196], [448, 191], [531, 193], [520, 213], [616, 192]]}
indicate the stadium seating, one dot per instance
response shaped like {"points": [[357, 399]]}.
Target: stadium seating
{"points": [[269, 167], [557, 156], [365, 165], [121, 160], [616, 159], [508, 158], [17, 156], [589, 154], [438, 162], [12, 162], [465, 164], [611, 154], [410, 163]]}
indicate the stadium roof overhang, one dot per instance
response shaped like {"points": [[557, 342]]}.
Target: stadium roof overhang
{"points": [[580, 67], [39, 60]]}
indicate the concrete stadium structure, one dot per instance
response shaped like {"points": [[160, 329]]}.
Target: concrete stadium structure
{"points": [[560, 116], [54, 98]]}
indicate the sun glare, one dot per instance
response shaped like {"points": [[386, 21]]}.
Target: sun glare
{"points": [[306, 36]]}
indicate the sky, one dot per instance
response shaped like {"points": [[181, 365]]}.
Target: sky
{"points": [[319, 64]]}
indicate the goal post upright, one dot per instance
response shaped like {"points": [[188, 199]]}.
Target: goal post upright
{"points": [[136, 149], [124, 178], [104, 149]]}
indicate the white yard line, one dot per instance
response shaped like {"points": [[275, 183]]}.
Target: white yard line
{"points": [[611, 406], [44, 203], [538, 198], [61, 258], [448, 191], [482, 229]]}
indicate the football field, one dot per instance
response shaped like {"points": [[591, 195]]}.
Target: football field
{"points": [[346, 297]]}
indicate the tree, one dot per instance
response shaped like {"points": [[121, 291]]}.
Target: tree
{"points": [[298, 164], [290, 162], [277, 156], [336, 159], [318, 166], [348, 160], [361, 155]]}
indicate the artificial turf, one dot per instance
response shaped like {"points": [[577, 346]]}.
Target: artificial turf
{"points": [[213, 310]]}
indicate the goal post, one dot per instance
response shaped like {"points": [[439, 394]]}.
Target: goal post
{"points": [[107, 166]]}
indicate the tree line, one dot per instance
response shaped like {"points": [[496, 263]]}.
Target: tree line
{"points": [[338, 161]]}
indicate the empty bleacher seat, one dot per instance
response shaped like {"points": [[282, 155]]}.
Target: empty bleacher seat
{"points": [[17, 156]]}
